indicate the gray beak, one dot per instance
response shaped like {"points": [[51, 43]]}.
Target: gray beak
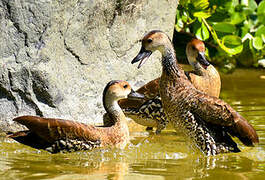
{"points": [[142, 56], [202, 60], [135, 95]]}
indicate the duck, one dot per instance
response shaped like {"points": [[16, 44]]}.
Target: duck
{"points": [[59, 135], [206, 121], [149, 111]]}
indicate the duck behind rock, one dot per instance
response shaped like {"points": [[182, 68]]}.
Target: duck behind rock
{"points": [[149, 111], [207, 121], [57, 135]]}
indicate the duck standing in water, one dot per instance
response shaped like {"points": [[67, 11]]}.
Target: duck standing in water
{"points": [[57, 135], [208, 121], [149, 111]]}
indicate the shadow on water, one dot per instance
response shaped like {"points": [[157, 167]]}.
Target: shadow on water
{"points": [[148, 156]]}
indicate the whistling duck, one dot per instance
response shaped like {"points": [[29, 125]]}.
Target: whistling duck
{"points": [[149, 111], [207, 121], [58, 135]]}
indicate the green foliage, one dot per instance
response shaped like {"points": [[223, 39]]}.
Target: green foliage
{"points": [[230, 26]]}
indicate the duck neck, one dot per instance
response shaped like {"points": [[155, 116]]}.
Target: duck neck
{"points": [[113, 109], [195, 65], [169, 62]]}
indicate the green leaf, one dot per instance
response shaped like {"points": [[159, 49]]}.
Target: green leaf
{"points": [[198, 34], [260, 30], [263, 37], [184, 17], [219, 15], [205, 32], [261, 12], [249, 6], [184, 2], [257, 43], [202, 14], [244, 30], [230, 6], [252, 5], [200, 4], [232, 40], [202, 32], [261, 8], [232, 44], [224, 27], [237, 17]]}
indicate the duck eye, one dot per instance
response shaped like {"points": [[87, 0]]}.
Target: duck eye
{"points": [[193, 48], [125, 86], [149, 40]]}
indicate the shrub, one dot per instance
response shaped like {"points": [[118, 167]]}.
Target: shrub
{"points": [[234, 31]]}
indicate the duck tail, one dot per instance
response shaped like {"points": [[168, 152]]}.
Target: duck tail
{"points": [[28, 120], [35, 124], [29, 138], [245, 132], [53, 129]]}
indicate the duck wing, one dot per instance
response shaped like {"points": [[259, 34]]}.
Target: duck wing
{"points": [[30, 139], [224, 142], [51, 130], [217, 112], [151, 89]]}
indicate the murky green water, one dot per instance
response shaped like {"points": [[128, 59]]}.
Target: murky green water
{"points": [[166, 156]]}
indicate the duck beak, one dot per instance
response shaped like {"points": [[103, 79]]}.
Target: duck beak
{"points": [[135, 95], [202, 60], [142, 57]]}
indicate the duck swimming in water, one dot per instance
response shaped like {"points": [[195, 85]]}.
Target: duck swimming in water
{"points": [[58, 135], [149, 111], [207, 121]]}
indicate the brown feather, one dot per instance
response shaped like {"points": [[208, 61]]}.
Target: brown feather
{"points": [[59, 134], [244, 131], [180, 92], [198, 44], [209, 82], [205, 119], [54, 129], [48, 130]]}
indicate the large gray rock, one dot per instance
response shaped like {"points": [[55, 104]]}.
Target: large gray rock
{"points": [[57, 56]]}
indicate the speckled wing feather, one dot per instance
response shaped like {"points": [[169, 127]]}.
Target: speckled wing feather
{"points": [[218, 112], [213, 110], [149, 90]]}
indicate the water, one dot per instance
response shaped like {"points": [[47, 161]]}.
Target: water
{"points": [[148, 156]]}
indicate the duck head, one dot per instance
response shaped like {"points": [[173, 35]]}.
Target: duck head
{"points": [[116, 90], [152, 41], [195, 51]]}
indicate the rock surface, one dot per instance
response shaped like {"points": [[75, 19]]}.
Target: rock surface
{"points": [[57, 56]]}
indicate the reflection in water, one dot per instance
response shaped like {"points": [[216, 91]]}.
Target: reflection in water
{"points": [[32, 164], [149, 156], [193, 167]]}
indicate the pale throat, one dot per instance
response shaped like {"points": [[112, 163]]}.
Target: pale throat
{"points": [[113, 107], [195, 64]]}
